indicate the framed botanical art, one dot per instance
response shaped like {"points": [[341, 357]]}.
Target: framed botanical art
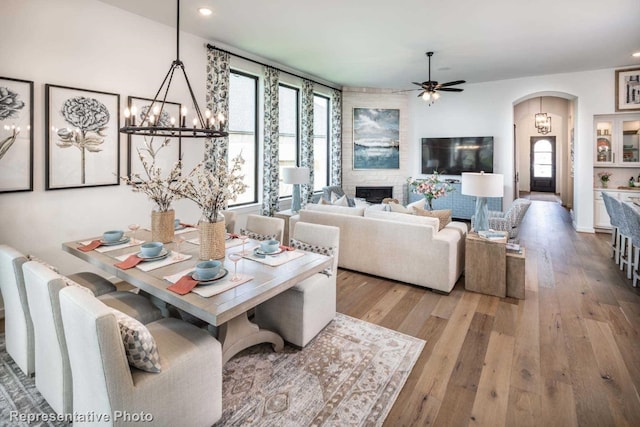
{"points": [[628, 89], [165, 152], [16, 135], [82, 138], [376, 138]]}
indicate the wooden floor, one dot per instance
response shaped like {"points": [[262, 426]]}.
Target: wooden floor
{"points": [[567, 355]]}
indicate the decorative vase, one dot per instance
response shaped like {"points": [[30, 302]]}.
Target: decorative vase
{"points": [[428, 204], [605, 184], [212, 238], [162, 226]]}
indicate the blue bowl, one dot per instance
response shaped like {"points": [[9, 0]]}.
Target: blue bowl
{"points": [[151, 249], [207, 270], [269, 246], [112, 235]]}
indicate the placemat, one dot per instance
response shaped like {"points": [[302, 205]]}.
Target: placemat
{"points": [[152, 265], [222, 285], [274, 260], [114, 247]]}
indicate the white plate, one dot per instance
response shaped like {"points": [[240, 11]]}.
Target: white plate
{"points": [[259, 251]]}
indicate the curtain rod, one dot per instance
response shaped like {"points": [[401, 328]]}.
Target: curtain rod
{"points": [[210, 46]]}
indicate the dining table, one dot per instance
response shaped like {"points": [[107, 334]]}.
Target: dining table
{"points": [[228, 310]]}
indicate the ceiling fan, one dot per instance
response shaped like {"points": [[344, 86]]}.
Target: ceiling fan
{"points": [[430, 88]]}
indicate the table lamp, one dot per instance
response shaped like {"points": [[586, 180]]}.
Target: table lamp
{"points": [[296, 176], [482, 185]]}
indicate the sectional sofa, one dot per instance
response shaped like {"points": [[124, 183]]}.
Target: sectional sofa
{"points": [[397, 246]]}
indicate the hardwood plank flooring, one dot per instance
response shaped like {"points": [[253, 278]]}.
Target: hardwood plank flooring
{"points": [[567, 355]]}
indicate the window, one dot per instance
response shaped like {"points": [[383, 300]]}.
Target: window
{"points": [[542, 159], [243, 135], [320, 142], [288, 143]]}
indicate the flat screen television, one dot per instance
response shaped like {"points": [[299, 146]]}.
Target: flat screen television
{"points": [[452, 156]]}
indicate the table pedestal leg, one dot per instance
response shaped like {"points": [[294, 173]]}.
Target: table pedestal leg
{"points": [[239, 333]]}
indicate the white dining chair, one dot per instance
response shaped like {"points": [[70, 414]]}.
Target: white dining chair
{"points": [[18, 326], [53, 373], [301, 312], [230, 218], [264, 226], [186, 392]]}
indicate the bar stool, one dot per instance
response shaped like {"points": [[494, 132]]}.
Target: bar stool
{"points": [[632, 215], [614, 227], [623, 241]]}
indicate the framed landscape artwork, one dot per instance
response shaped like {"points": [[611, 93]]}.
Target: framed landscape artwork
{"points": [[82, 138], [166, 152], [16, 135], [376, 138], [628, 90]]}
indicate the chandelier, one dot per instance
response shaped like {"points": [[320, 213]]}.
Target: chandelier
{"points": [[202, 125], [543, 121]]}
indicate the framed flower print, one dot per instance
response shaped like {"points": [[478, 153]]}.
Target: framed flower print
{"points": [[82, 138], [16, 135]]}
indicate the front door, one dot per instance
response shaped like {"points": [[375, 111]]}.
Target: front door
{"points": [[543, 163]]}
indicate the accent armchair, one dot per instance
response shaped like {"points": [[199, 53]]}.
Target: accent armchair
{"points": [[186, 392], [301, 312], [509, 220]]}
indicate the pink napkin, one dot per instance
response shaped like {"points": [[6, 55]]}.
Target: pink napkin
{"points": [[184, 224], [234, 235], [90, 246], [287, 248], [128, 263], [184, 285]]}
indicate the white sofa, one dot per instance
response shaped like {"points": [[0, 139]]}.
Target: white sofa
{"points": [[402, 247]]}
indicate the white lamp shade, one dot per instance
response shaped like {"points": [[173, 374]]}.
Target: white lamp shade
{"points": [[295, 175], [482, 184]]}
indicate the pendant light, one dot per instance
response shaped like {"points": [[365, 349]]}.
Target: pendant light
{"points": [[543, 121], [202, 125]]}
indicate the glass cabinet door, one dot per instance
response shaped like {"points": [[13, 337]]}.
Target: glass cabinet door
{"points": [[630, 141], [604, 149]]}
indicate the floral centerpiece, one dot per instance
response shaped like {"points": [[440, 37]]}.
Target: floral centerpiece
{"points": [[431, 188], [604, 178], [158, 188], [211, 188]]}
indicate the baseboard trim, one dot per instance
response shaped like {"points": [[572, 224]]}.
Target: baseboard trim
{"points": [[590, 230]]}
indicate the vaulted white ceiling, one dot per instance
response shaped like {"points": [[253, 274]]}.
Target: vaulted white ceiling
{"points": [[382, 44]]}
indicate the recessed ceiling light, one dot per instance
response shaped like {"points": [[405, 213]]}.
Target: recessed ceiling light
{"points": [[205, 11], [636, 54]]}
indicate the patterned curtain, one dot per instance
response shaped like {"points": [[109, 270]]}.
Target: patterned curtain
{"points": [[218, 71], [271, 173], [306, 146], [336, 138]]}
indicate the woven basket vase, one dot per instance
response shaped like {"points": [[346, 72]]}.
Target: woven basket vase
{"points": [[212, 238], [162, 227]]}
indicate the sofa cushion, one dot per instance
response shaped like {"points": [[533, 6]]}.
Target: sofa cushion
{"points": [[400, 217], [139, 345], [443, 215], [343, 210]]}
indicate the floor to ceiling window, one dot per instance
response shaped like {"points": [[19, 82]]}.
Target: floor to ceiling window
{"points": [[243, 132]]}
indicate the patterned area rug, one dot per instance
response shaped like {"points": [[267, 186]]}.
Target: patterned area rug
{"points": [[349, 375]]}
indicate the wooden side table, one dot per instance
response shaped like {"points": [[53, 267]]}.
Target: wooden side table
{"points": [[485, 268], [286, 214]]}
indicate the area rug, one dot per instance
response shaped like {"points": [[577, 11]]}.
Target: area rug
{"points": [[349, 375]]}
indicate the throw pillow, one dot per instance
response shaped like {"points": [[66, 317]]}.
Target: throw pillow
{"points": [[334, 197], [342, 201], [377, 208], [139, 345], [308, 247], [322, 201], [443, 215], [397, 207], [257, 236]]}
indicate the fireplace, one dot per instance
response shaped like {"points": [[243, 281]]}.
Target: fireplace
{"points": [[374, 194]]}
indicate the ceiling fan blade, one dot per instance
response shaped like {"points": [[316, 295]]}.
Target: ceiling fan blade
{"points": [[405, 90], [416, 83], [457, 82], [421, 93], [450, 89]]}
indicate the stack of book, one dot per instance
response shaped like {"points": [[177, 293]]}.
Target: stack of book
{"points": [[492, 235]]}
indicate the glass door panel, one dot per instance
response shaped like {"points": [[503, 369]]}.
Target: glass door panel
{"points": [[604, 153], [630, 141]]}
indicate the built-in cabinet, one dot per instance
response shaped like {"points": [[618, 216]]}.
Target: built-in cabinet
{"points": [[617, 140]]}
